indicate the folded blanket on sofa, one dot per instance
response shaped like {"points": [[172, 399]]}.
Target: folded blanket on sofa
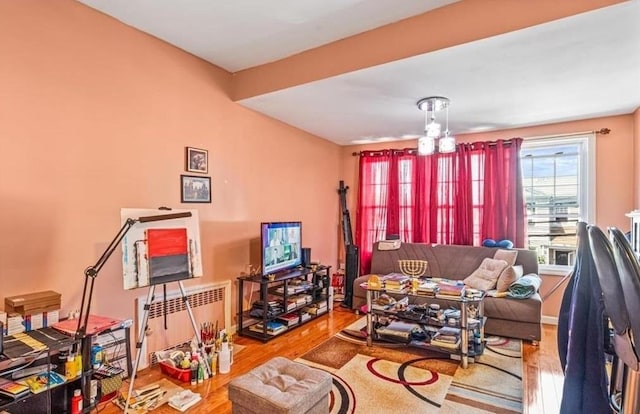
{"points": [[525, 287]]}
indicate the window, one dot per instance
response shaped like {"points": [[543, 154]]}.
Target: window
{"points": [[559, 190]]}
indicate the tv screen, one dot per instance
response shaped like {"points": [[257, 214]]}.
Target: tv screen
{"points": [[281, 246]]}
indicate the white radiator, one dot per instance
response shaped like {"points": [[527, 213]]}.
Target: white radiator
{"points": [[209, 303]]}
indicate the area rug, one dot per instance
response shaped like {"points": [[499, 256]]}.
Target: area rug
{"points": [[395, 378]]}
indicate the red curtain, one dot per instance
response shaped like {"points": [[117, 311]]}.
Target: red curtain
{"points": [[504, 209], [459, 198], [371, 211]]}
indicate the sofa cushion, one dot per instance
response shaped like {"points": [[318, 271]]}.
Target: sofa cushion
{"points": [[486, 276], [509, 275], [508, 256], [511, 310]]}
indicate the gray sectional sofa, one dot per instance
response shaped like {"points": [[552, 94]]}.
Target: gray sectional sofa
{"points": [[514, 318]]}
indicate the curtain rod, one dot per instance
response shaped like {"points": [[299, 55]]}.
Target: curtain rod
{"points": [[601, 131]]}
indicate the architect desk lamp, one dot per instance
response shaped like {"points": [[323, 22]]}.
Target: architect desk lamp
{"points": [[91, 272]]}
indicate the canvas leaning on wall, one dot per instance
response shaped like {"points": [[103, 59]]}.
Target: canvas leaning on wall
{"points": [[160, 252]]}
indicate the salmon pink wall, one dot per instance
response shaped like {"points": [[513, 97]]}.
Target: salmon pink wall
{"points": [[95, 116]]}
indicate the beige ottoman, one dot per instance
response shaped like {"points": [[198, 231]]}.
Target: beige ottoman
{"points": [[281, 386]]}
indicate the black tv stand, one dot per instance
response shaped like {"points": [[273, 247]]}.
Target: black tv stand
{"points": [[287, 299]]}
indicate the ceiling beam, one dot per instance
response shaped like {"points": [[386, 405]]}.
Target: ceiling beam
{"points": [[451, 25]]}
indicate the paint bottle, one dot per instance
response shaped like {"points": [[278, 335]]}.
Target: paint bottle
{"points": [[93, 394], [70, 367], [214, 361], [200, 373], [224, 358], [96, 356], [78, 361], [194, 373], [61, 362], [76, 402]]}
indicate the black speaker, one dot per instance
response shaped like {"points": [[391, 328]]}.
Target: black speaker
{"points": [[306, 256], [351, 271]]}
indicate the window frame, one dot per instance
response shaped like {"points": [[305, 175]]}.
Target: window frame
{"points": [[586, 180]]}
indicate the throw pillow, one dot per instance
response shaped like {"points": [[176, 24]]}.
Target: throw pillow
{"points": [[507, 277], [508, 256], [486, 276], [389, 245]]}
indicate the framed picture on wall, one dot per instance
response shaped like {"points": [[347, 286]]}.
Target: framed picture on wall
{"points": [[195, 189], [197, 160]]}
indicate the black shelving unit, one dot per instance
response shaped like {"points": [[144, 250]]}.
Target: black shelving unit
{"points": [[56, 400], [277, 289], [53, 400]]}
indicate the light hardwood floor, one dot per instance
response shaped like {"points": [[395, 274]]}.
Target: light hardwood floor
{"points": [[541, 366]]}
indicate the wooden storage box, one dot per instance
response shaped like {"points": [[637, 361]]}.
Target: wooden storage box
{"points": [[32, 303]]}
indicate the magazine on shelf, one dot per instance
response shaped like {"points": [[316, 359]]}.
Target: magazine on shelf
{"points": [[289, 319], [273, 327], [436, 341], [12, 389], [42, 382]]}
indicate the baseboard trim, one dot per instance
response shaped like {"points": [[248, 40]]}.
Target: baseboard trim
{"points": [[549, 320]]}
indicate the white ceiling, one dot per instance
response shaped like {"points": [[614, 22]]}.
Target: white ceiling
{"points": [[580, 67]]}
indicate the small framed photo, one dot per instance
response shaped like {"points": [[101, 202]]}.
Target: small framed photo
{"points": [[195, 189], [197, 160]]}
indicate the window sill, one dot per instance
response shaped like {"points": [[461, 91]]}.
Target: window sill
{"points": [[554, 270]]}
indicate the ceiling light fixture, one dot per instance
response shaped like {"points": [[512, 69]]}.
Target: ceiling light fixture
{"points": [[432, 129]]}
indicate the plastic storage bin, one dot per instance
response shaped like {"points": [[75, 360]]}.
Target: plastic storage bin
{"points": [[183, 375]]}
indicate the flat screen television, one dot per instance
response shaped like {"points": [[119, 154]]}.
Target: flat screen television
{"points": [[281, 246]]}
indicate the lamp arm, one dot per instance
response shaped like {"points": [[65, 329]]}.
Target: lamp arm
{"points": [[91, 272]]}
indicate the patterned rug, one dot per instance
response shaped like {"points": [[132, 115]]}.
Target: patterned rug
{"points": [[394, 378]]}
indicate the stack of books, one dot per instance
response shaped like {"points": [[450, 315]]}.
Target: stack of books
{"points": [[473, 293], [450, 289], [447, 337], [304, 316], [15, 324], [3, 321], [382, 302], [293, 288], [427, 287], [289, 319], [273, 327], [301, 299], [13, 390], [399, 331], [316, 308], [272, 308], [396, 282]]}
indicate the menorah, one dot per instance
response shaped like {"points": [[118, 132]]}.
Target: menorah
{"points": [[413, 268]]}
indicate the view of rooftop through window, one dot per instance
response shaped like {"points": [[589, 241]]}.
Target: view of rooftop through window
{"points": [[552, 190]]}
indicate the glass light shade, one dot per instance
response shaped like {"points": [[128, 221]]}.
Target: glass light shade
{"points": [[447, 144], [433, 129], [426, 145]]}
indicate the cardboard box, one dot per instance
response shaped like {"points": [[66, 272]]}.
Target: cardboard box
{"points": [[32, 303]]}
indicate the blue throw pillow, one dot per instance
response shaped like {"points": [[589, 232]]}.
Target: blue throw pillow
{"points": [[505, 244], [489, 243]]}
